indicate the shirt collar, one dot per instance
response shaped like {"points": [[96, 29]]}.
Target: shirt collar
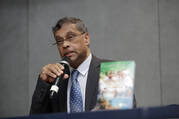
{"points": [[83, 68]]}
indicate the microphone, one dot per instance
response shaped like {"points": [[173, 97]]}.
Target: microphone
{"points": [[55, 87]]}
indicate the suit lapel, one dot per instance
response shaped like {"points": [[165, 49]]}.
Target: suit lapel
{"points": [[92, 84]]}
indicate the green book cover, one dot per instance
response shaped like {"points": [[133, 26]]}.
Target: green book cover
{"points": [[116, 85]]}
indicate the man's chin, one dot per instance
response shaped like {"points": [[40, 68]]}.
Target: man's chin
{"points": [[72, 59]]}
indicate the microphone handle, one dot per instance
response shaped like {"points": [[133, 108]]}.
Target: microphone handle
{"points": [[58, 79], [54, 91]]}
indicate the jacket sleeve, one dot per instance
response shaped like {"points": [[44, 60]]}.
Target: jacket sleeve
{"points": [[40, 98]]}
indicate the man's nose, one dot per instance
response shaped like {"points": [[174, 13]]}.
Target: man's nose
{"points": [[66, 44]]}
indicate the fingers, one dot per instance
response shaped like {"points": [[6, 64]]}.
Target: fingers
{"points": [[66, 76], [51, 74], [60, 66], [51, 71]]}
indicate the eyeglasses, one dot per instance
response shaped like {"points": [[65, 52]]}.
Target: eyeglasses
{"points": [[69, 38]]}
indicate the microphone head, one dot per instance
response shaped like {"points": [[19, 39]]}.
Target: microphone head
{"points": [[66, 59], [66, 63]]}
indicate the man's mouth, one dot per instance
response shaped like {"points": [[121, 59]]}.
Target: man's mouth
{"points": [[69, 54]]}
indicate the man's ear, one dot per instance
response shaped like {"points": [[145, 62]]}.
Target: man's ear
{"points": [[87, 39]]}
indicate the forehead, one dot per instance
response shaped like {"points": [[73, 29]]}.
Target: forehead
{"points": [[66, 28]]}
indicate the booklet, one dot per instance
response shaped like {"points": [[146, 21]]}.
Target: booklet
{"points": [[116, 85]]}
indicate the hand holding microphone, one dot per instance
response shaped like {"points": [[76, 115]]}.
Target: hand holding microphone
{"points": [[52, 73]]}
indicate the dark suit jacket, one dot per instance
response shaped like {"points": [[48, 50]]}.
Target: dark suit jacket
{"points": [[42, 104]]}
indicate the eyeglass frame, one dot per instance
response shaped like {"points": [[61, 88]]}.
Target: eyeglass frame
{"points": [[67, 39]]}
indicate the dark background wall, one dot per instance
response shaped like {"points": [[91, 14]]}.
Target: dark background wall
{"points": [[144, 31]]}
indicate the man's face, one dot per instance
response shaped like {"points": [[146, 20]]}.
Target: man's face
{"points": [[72, 43]]}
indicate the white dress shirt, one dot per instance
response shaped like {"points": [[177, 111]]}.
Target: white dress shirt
{"points": [[82, 79]]}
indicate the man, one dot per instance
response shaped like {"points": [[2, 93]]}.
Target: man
{"points": [[73, 41]]}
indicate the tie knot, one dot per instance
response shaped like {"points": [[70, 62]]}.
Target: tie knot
{"points": [[74, 74]]}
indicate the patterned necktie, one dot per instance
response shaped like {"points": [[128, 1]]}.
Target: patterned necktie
{"points": [[76, 102]]}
